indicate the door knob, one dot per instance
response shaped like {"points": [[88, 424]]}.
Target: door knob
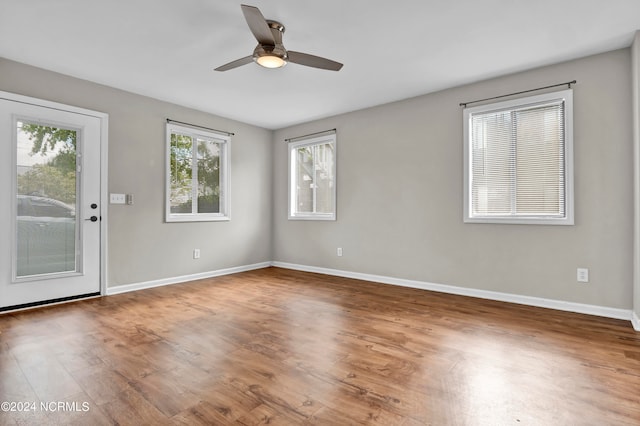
{"points": [[93, 218]]}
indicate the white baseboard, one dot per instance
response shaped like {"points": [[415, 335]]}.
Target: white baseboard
{"points": [[184, 278], [601, 311], [560, 305], [635, 320]]}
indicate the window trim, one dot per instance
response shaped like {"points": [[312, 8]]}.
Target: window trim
{"points": [[225, 148], [294, 144], [565, 96]]}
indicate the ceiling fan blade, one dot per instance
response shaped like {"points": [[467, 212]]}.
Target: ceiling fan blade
{"points": [[258, 25], [235, 64], [313, 61]]}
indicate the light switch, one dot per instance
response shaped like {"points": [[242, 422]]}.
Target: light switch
{"points": [[583, 275], [117, 198]]}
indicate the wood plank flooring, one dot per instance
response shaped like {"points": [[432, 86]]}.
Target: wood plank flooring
{"points": [[282, 347]]}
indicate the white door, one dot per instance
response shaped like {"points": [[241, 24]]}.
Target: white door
{"points": [[49, 202]]}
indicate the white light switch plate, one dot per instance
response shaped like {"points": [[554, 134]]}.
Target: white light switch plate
{"points": [[583, 275], [117, 198]]}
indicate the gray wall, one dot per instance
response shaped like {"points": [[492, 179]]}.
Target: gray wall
{"points": [[399, 191], [400, 195], [141, 246]]}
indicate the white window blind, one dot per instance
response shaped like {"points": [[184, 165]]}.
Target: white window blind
{"points": [[518, 161]]}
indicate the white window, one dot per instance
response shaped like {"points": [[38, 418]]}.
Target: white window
{"points": [[312, 178], [518, 161], [197, 186]]}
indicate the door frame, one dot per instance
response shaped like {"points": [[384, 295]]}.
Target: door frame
{"points": [[104, 151]]}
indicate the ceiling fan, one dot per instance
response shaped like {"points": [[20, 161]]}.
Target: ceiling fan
{"points": [[270, 53]]}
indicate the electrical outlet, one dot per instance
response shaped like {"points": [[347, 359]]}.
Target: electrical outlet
{"points": [[196, 253], [339, 251], [583, 275]]}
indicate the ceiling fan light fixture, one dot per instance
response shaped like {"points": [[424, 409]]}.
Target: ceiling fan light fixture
{"points": [[271, 61], [270, 52]]}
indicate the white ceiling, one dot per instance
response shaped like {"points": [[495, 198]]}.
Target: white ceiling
{"points": [[391, 50]]}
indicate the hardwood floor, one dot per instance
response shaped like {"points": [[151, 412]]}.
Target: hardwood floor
{"points": [[275, 346]]}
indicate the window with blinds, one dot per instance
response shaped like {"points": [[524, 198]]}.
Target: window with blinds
{"points": [[518, 161], [312, 178]]}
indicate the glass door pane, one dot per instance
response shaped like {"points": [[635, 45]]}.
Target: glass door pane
{"points": [[46, 229]]}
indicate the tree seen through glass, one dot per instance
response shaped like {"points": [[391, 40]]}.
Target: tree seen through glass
{"points": [[47, 166], [206, 172]]}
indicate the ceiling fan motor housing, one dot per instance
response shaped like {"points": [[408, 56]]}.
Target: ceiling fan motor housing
{"points": [[261, 50]]}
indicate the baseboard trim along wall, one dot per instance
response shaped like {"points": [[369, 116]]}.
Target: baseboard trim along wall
{"points": [[635, 321], [580, 308], [184, 278]]}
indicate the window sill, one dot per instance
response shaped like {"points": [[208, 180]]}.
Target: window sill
{"points": [[199, 218], [568, 221], [314, 217]]}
